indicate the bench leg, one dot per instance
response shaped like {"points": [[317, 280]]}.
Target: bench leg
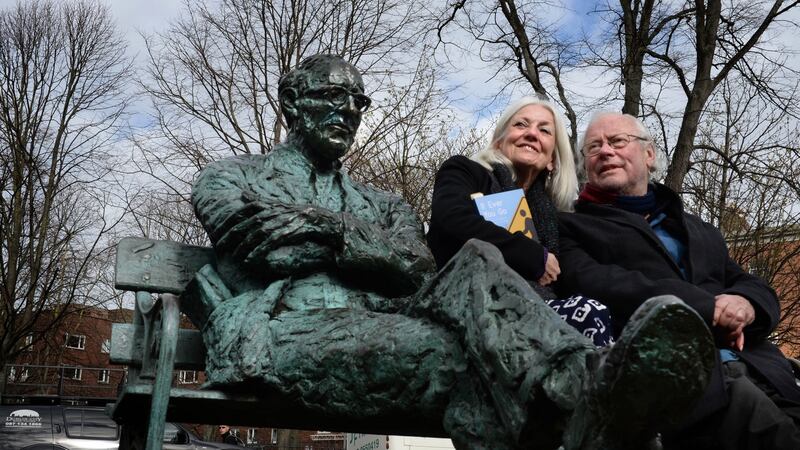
{"points": [[170, 316]]}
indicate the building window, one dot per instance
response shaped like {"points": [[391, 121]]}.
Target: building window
{"points": [[251, 436], [187, 376], [273, 436], [103, 376], [77, 341], [27, 344], [759, 268], [105, 347], [72, 373], [18, 374]]}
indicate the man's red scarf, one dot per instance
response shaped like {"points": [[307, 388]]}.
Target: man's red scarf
{"points": [[591, 194]]}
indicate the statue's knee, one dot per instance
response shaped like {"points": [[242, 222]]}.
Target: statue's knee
{"points": [[477, 251], [478, 262], [484, 260]]}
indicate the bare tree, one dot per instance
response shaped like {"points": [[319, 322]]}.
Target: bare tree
{"points": [[519, 35], [213, 80], [700, 43], [746, 181], [770, 248], [408, 138], [62, 69], [213, 75], [629, 33], [158, 205]]}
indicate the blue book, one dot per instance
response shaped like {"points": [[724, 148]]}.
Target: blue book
{"points": [[507, 209]]}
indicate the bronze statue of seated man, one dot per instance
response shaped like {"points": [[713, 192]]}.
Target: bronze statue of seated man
{"points": [[324, 298]]}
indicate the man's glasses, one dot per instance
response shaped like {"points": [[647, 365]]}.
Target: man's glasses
{"points": [[338, 96], [616, 142]]}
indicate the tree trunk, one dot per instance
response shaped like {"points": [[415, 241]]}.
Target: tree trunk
{"points": [[684, 145], [636, 42]]}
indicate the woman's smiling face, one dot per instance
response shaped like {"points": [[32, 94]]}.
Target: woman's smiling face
{"points": [[528, 141]]}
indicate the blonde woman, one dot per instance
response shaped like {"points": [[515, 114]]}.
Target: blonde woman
{"points": [[530, 150]]}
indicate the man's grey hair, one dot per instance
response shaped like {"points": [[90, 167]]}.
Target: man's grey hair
{"points": [[563, 185], [639, 130]]}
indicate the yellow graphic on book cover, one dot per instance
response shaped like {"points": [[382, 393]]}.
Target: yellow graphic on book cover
{"points": [[507, 209], [523, 220]]}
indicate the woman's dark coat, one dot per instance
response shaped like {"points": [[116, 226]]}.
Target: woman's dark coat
{"points": [[455, 220], [613, 256]]}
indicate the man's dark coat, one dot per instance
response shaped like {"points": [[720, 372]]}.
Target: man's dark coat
{"points": [[614, 256]]}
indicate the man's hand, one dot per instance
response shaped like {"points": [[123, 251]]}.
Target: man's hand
{"points": [[551, 270], [731, 314]]}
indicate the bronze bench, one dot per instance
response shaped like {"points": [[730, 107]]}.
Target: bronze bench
{"points": [[153, 346]]}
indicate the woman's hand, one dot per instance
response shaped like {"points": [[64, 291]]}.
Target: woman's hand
{"points": [[551, 270]]}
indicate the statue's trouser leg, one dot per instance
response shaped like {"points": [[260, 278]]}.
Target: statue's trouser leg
{"points": [[471, 420], [530, 361], [343, 368]]}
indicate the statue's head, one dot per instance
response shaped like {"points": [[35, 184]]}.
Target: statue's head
{"points": [[322, 100]]}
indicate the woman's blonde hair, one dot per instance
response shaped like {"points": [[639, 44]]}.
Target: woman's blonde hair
{"points": [[563, 184]]}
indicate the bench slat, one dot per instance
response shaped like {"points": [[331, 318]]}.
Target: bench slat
{"points": [[158, 266], [125, 349], [214, 407]]}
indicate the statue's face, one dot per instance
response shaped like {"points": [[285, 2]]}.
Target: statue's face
{"points": [[329, 110]]}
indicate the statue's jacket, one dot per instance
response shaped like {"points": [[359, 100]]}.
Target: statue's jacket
{"points": [[311, 271], [335, 242]]}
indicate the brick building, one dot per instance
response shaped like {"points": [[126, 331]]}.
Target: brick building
{"points": [[71, 362], [71, 365], [775, 256]]}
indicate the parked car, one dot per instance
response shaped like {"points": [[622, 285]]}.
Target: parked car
{"points": [[61, 427]]}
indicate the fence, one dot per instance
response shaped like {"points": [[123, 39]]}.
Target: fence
{"points": [[66, 382]]}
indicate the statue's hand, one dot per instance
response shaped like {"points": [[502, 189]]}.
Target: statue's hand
{"points": [[272, 226], [302, 224], [292, 259]]}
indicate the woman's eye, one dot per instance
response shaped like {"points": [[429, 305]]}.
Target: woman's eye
{"points": [[546, 131], [521, 124]]}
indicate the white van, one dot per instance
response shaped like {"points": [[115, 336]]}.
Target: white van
{"points": [[354, 441], [57, 427]]}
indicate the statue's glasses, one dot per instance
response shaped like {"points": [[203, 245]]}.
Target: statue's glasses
{"points": [[338, 96], [616, 142]]}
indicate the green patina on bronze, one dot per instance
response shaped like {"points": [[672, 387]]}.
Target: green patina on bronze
{"points": [[323, 298]]}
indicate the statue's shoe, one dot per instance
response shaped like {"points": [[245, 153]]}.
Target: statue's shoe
{"points": [[650, 379]]}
